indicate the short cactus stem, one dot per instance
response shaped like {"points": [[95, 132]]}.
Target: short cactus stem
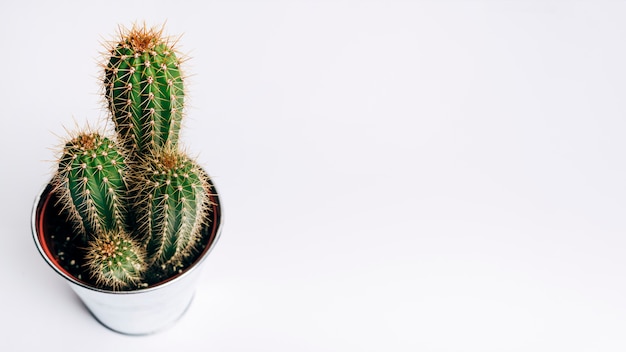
{"points": [[174, 202], [91, 185], [115, 261], [144, 89]]}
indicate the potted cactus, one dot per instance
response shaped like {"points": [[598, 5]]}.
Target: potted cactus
{"points": [[128, 218]]}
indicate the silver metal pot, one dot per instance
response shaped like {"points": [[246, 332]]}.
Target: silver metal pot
{"points": [[137, 312]]}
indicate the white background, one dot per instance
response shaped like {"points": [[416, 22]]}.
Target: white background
{"points": [[396, 175]]}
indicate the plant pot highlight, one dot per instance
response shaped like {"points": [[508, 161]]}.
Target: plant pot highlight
{"points": [[134, 312]]}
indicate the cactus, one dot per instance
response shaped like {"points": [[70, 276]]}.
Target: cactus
{"points": [[138, 205], [91, 185], [144, 89], [173, 207], [115, 260]]}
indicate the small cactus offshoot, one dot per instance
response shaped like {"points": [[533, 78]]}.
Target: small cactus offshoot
{"points": [[144, 89], [115, 260]]}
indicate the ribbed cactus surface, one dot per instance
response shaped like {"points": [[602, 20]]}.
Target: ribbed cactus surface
{"points": [[90, 182], [115, 260], [175, 199], [144, 89]]}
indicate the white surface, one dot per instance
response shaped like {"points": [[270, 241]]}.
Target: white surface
{"points": [[396, 176]]}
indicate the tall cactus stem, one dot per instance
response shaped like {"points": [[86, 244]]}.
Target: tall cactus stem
{"points": [[144, 88]]}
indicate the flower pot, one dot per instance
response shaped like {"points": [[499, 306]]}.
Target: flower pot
{"points": [[135, 312]]}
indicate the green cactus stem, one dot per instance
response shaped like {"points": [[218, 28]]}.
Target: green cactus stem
{"points": [[174, 193], [144, 89], [90, 184], [115, 261]]}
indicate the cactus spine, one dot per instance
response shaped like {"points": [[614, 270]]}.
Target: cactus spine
{"points": [[90, 182], [174, 192], [144, 89]]}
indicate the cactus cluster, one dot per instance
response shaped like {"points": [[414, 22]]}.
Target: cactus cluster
{"points": [[136, 201]]}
